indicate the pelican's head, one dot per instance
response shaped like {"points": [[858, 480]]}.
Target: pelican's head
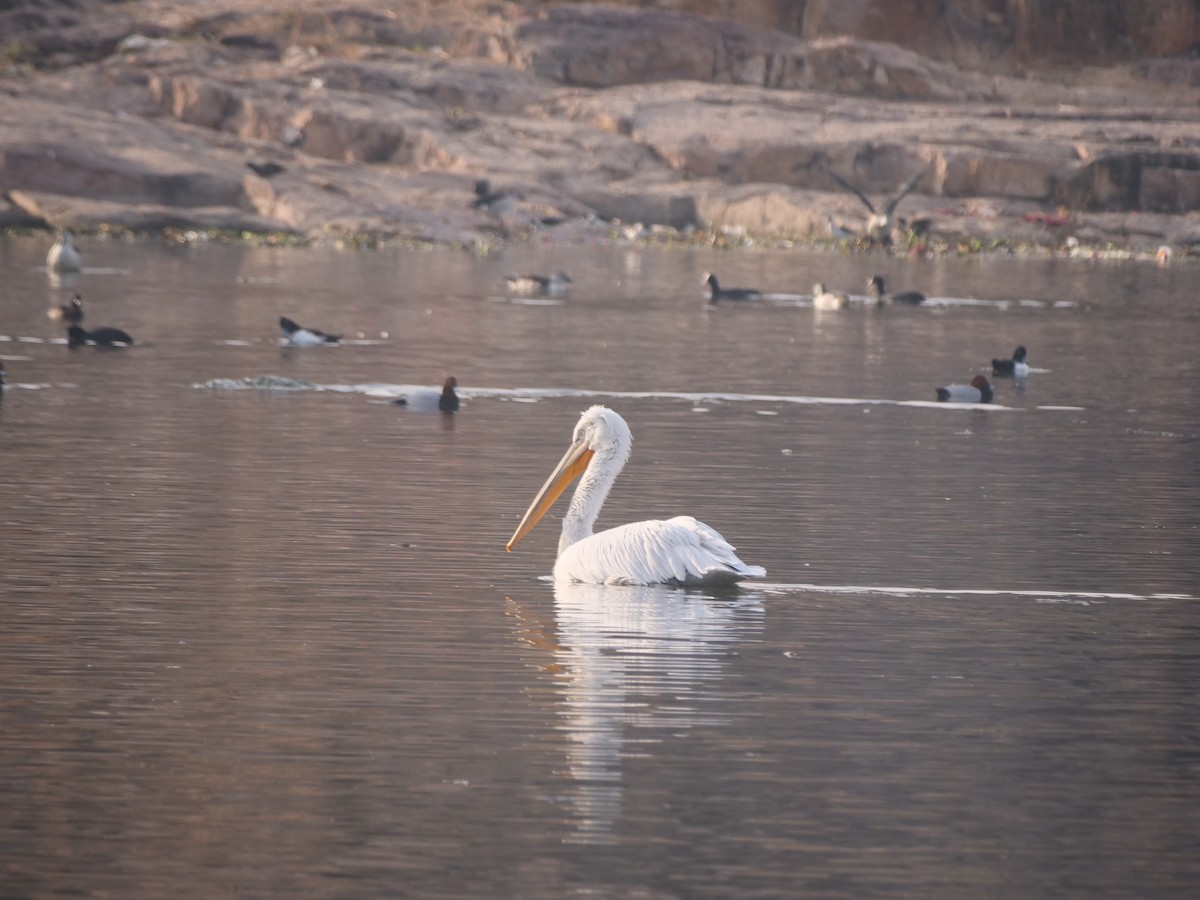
{"points": [[600, 433]]}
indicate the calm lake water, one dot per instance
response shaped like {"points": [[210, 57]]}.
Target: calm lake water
{"points": [[267, 643]]}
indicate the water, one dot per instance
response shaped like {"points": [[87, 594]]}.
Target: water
{"points": [[268, 643]]}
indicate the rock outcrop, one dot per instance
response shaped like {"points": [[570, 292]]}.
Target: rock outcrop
{"points": [[146, 115]]}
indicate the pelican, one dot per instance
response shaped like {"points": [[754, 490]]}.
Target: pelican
{"points": [[678, 551], [63, 255]]}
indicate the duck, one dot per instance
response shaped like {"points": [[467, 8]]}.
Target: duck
{"points": [[1017, 366], [879, 291], [77, 336], [978, 391], [879, 224], [63, 255], [538, 284], [68, 312], [447, 401], [299, 336], [719, 293], [500, 204], [823, 299], [1, 378]]}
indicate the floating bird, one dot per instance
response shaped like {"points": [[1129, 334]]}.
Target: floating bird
{"points": [[1017, 366], [305, 337], [678, 551], [978, 391], [879, 223], [882, 297], [68, 312], [103, 337], [823, 299], [538, 284], [500, 204], [265, 169], [63, 255], [447, 401], [1, 379], [719, 293]]}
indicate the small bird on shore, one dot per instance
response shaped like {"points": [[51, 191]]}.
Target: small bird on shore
{"points": [[447, 401], [978, 391], [879, 224], [500, 204], [823, 299], [63, 255], [299, 336], [1017, 366], [878, 289], [265, 169], [716, 292], [68, 312], [538, 284], [77, 336]]}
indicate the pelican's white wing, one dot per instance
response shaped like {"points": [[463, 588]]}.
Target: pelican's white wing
{"points": [[672, 551]]}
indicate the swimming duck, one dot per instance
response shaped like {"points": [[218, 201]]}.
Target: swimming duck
{"points": [[305, 337], [978, 391], [823, 299], [68, 312], [719, 293], [879, 223], [103, 337], [538, 284], [63, 255], [447, 401], [879, 291], [1017, 366]]}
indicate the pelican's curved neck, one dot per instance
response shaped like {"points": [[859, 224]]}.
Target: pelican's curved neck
{"points": [[591, 492]]}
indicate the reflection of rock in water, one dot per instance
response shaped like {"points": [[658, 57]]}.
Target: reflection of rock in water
{"points": [[636, 657]]}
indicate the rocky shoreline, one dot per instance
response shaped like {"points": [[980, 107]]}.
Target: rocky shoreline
{"points": [[347, 125]]}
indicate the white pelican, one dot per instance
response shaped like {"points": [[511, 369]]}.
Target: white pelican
{"points": [[63, 255], [679, 551]]}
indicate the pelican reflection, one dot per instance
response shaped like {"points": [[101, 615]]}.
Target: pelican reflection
{"points": [[634, 665]]}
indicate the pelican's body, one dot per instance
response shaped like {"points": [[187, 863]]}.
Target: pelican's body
{"points": [[298, 336], [823, 299], [679, 551], [63, 255]]}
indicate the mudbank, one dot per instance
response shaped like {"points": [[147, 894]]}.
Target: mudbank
{"points": [[330, 121]]}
